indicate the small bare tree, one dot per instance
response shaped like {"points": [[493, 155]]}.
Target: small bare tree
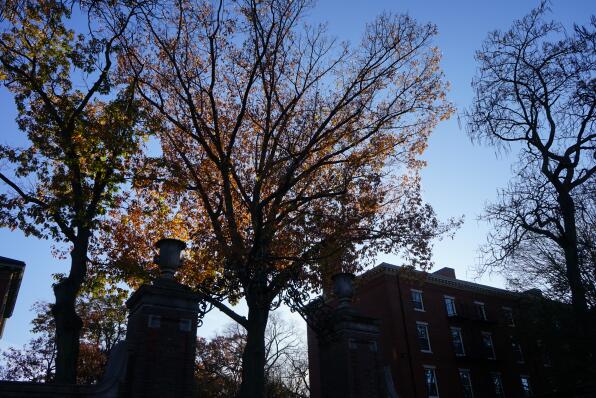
{"points": [[219, 361], [104, 324]]}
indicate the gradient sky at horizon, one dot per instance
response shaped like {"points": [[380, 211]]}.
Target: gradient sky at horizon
{"points": [[459, 179]]}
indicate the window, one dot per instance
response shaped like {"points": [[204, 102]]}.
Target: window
{"points": [[508, 315], [480, 310], [487, 343], [525, 385], [154, 321], [423, 339], [545, 354], [458, 342], [546, 359], [450, 306], [185, 325], [517, 351], [466, 383], [417, 300], [431, 382], [497, 385]]}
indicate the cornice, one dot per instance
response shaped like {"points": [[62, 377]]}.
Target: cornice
{"points": [[391, 269]]}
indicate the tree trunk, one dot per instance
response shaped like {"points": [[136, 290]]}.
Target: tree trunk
{"points": [[253, 357], [572, 261], [68, 323], [584, 343]]}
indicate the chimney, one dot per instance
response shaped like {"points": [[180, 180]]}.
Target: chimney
{"points": [[446, 272]]}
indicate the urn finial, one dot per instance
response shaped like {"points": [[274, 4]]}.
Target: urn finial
{"points": [[343, 288], [169, 259]]}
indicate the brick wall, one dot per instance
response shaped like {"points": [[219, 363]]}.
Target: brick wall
{"points": [[385, 293]]}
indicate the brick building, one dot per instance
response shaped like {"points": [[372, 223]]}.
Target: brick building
{"points": [[11, 274], [445, 337]]}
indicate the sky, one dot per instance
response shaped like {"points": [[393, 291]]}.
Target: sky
{"points": [[460, 177]]}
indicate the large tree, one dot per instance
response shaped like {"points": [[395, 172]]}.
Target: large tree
{"points": [[536, 92], [285, 154], [79, 132]]}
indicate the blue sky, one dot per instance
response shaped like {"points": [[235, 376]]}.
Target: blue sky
{"points": [[459, 179]]}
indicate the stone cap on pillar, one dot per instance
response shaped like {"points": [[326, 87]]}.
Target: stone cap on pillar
{"points": [[164, 293]]}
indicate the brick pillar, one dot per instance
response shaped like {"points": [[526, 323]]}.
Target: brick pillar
{"points": [[348, 355], [162, 332]]}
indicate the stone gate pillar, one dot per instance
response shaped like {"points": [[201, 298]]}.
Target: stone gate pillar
{"points": [[162, 332], [348, 351]]}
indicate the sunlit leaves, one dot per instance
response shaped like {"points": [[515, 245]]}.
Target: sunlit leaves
{"points": [[282, 152], [81, 128], [80, 145]]}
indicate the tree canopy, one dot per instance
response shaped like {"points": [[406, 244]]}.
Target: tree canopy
{"points": [[535, 91], [286, 155], [80, 128], [536, 88]]}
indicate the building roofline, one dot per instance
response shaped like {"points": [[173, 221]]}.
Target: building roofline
{"points": [[17, 269], [11, 262], [391, 269]]}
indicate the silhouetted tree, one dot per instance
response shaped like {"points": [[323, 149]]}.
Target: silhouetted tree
{"points": [[535, 87], [538, 263]]}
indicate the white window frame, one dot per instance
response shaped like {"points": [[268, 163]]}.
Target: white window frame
{"points": [[425, 325], [460, 371], [498, 376], [481, 304], [461, 339], [492, 344], [519, 355], [522, 384], [511, 321], [421, 299], [445, 299], [432, 369]]}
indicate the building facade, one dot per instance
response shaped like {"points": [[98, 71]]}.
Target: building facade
{"points": [[444, 337]]}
